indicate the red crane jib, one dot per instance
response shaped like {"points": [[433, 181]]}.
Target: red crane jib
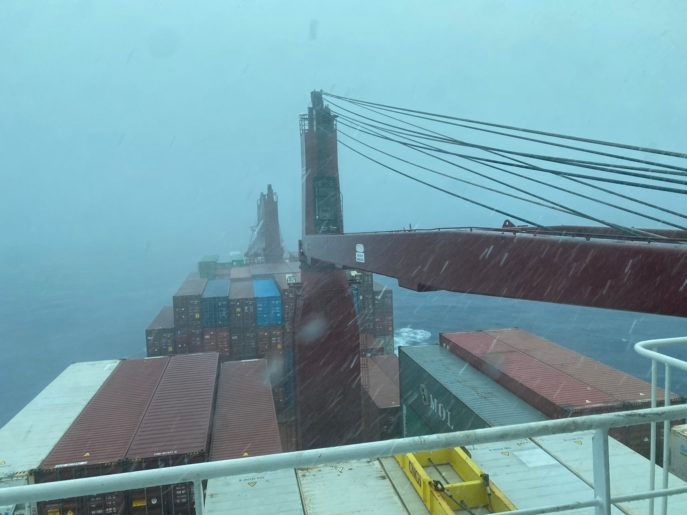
{"points": [[625, 275]]}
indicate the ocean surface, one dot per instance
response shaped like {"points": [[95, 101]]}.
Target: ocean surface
{"points": [[58, 311]]}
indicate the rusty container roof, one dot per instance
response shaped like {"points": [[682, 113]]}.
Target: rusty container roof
{"points": [[245, 422], [556, 380], [282, 267], [178, 418], [241, 289], [163, 320], [383, 386], [191, 286], [240, 272], [619, 385], [103, 431]]}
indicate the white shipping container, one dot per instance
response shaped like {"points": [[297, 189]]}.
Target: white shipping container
{"points": [[32, 433], [678, 451]]}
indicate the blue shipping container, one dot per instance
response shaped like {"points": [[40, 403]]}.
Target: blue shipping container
{"points": [[268, 304], [355, 293]]}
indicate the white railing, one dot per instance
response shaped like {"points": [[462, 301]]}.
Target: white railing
{"points": [[647, 349], [601, 424]]}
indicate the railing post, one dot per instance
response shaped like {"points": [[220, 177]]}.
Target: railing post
{"points": [[666, 439], [198, 496], [652, 448], [602, 473]]}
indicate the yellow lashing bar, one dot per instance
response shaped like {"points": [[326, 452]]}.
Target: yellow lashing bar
{"points": [[472, 492]]}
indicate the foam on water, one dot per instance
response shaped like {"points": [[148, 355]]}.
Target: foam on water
{"points": [[410, 336]]}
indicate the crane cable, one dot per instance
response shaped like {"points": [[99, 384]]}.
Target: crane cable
{"points": [[490, 208], [414, 112], [560, 207], [454, 141], [521, 165], [580, 214]]}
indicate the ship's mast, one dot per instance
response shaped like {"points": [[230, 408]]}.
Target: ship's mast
{"points": [[327, 346]]}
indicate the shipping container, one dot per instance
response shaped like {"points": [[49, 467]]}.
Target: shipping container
{"points": [[270, 340], [237, 258], [563, 382], [381, 398], [98, 440], [241, 305], [186, 303], [195, 340], [289, 285], [182, 340], [242, 428], [207, 267], [240, 273], [267, 269], [26, 439], [160, 334], [574, 451], [360, 486], [361, 288], [175, 430], [265, 493], [287, 434], [243, 344], [268, 305], [441, 393], [678, 451], [214, 303], [384, 300], [558, 382], [218, 340]]}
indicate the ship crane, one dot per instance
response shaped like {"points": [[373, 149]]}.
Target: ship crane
{"points": [[586, 266]]}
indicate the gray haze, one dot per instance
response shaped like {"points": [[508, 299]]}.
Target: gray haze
{"points": [[135, 136]]}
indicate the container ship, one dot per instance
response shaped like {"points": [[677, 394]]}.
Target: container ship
{"points": [[261, 353], [243, 306]]}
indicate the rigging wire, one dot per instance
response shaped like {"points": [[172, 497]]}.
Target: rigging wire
{"points": [[490, 208], [412, 112], [449, 140], [452, 177], [560, 207], [606, 167], [582, 215], [521, 164]]}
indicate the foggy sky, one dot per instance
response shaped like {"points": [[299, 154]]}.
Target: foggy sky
{"points": [[135, 136]]}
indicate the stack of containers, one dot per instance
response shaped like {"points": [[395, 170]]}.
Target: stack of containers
{"points": [[381, 399], [361, 289], [214, 306], [97, 442], [284, 386], [367, 307], [558, 382], [175, 430], [242, 319], [242, 429], [160, 334], [268, 317], [383, 320], [26, 439], [149, 413], [362, 294], [188, 325]]}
